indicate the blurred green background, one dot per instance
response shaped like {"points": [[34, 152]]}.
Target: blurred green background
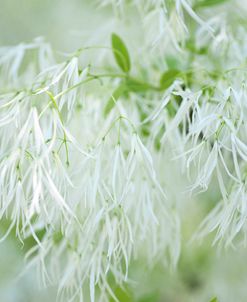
{"points": [[62, 22]]}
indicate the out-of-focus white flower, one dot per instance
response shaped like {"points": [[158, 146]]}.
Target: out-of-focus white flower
{"points": [[13, 66]]}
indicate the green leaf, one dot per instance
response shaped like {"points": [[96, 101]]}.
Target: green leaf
{"points": [[57, 237], [168, 78], [120, 53], [191, 46], [114, 97], [150, 297], [172, 62], [137, 86], [207, 3], [214, 300], [123, 295]]}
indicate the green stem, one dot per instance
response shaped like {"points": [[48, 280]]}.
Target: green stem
{"points": [[89, 79], [61, 119]]}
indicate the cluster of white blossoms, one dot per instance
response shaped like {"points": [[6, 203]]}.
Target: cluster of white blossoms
{"points": [[89, 179], [164, 21]]}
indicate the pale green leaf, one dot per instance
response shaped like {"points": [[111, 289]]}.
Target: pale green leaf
{"points": [[120, 53]]}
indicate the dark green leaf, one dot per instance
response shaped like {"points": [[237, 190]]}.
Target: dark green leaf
{"points": [[168, 78], [113, 99], [120, 53], [214, 300]]}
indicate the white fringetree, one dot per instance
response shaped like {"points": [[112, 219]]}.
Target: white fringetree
{"points": [[87, 153]]}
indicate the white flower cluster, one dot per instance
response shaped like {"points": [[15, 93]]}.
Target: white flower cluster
{"points": [[96, 197], [164, 20], [92, 189]]}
